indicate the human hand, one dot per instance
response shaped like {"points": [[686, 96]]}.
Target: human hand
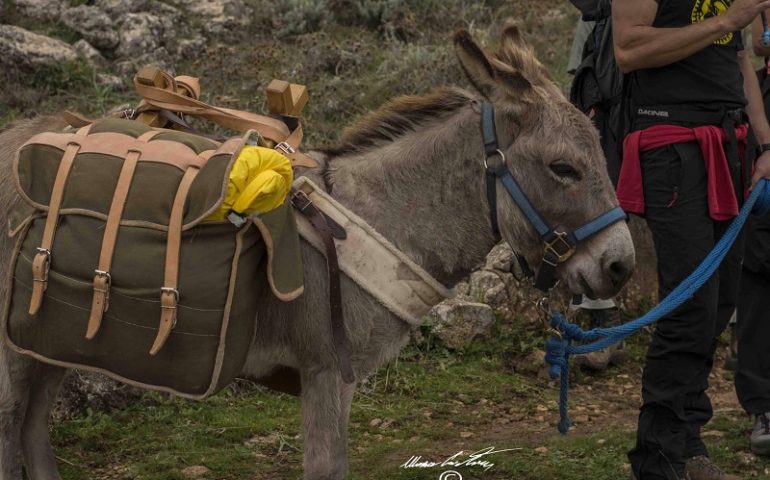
{"points": [[743, 12], [761, 168]]}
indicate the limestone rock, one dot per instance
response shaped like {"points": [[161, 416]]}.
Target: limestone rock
{"points": [[25, 49], [114, 82], [500, 258], [158, 57], [488, 287], [118, 8], [458, 322], [93, 24], [87, 51], [191, 48], [143, 33], [45, 10], [219, 16]]}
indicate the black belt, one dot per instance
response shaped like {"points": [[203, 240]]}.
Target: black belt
{"points": [[727, 119]]}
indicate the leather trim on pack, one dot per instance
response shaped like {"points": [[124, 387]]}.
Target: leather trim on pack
{"points": [[231, 147], [117, 145]]}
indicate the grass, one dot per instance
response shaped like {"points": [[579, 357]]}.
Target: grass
{"points": [[430, 402]]}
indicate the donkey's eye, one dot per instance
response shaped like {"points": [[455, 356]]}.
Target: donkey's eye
{"points": [[565, 170]]}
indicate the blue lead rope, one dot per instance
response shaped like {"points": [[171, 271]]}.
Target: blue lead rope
{"points": [[558, 349]]}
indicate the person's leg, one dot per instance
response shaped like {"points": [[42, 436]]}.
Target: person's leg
{"points": [[752, 376], [698, 406], [677, 360]]}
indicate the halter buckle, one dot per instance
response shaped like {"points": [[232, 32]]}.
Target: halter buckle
{"points": [[561, 242], [285, 149]]}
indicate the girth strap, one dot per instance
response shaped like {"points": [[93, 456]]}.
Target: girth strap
{"points": [[169, 295], [318, 220], [41, 263]]}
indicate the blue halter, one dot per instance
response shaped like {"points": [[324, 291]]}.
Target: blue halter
{"points": [[559, 246]]}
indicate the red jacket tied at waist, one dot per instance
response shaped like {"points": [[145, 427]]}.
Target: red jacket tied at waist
{"points": [[721, 194]]}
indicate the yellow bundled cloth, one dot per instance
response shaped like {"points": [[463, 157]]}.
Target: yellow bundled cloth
{"points": [[259, 182]]}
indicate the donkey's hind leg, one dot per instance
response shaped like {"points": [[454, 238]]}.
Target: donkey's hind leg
{"points": [[39, 458], [16, 372]]}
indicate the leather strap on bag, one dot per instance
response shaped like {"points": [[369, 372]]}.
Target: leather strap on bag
{"points": [[156, 98], [41, 264], [169, 295], [316, 218], [102, 277]]}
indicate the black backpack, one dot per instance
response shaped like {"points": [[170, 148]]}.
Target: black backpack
{"points": [[599, 86]]}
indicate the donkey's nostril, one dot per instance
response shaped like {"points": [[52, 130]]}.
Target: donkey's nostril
{"points": [[618, 271]]}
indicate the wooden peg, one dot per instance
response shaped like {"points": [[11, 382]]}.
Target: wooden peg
{"points": [[287, 99], [298, 99], [154, 77], [278, 97]]}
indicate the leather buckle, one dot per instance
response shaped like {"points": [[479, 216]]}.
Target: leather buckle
{"points": [[305, 200], [46, 263], [175, 299], [107, 283], [559, 241], [106, 275], [173, 291], [285, 148]]}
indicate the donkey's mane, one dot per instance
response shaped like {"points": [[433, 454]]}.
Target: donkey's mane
{"points": [[399, 116]]}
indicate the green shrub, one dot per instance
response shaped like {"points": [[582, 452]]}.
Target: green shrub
{"points": [[63, 77], [303, 16]]}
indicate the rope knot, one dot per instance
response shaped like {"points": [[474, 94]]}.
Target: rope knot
{"points": [[556, 356]]}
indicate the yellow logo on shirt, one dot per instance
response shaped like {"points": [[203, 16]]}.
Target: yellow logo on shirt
{"points": [[704, 9]]}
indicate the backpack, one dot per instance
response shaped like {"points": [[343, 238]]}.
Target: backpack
{"points": [[598, 85], [143, 280]]}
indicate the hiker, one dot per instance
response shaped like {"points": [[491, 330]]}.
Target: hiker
{"points": [[752, 373], [582, 30], [583, 60], [682, 168]]}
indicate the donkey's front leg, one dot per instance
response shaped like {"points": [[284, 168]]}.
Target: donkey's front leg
{"points": [[39, 458], [321, 413], [15, 377], [340, 454]]}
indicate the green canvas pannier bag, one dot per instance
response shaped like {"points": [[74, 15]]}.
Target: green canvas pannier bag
{"points": [[116, 268]]}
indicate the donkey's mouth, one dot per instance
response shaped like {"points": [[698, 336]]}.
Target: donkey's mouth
{"points": [[587, 290]]}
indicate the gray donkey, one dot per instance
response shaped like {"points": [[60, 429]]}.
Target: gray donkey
{"points": [[414, 170]]}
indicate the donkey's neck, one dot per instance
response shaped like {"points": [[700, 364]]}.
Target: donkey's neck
{"points": [[424, 191]]}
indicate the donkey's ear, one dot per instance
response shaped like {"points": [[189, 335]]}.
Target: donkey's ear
{"points": [[510, 38], [475, 62], [510, 78]]}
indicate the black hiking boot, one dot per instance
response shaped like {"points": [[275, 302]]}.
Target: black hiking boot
{"points": [[760, 435]]}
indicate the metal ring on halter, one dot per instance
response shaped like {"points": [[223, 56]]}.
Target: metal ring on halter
{"points": [[545, 317], [499, 152]]}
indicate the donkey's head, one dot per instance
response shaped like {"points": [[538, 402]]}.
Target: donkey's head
{"points": [[553, 151]]}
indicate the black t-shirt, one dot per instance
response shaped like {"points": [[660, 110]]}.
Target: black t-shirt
{"points": [[707, 80]]}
